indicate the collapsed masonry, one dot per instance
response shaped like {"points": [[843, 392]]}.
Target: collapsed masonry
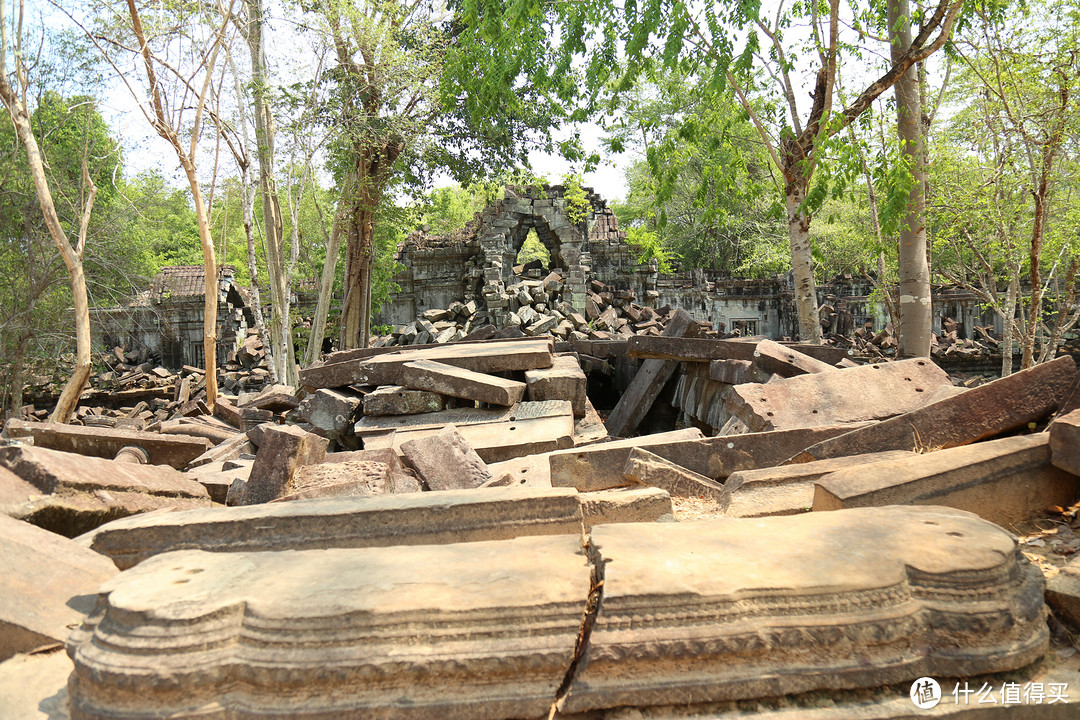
{"points": [[478, 265], [452, 530]]}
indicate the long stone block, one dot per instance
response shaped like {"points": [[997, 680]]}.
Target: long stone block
{"points": [[481, 358], [342, 368], [173, 450], [480, 631], [599, 467], [456, 382], [1065, 442], [1004, 481], [623, 505], [347, 522], [49, 584], [646, 468], [732, 609], [868, 392], [1063, 592], [772, 357], [650, 379], [789, 489], [505, 440], [76, 493], [996, 407], [707, 349]]}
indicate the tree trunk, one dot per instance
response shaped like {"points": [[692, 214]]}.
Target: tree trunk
{"points": [[356, 308], [72, 256], [916, 319], [1009, 327], [802, 263], [326, 283], [210, 286], [280, 329]]}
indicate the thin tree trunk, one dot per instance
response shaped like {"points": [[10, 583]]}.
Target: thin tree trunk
{"points": [[72, 256], [1009, 326], [802, 264], [210, 285], [916, 319], [326, 283]]}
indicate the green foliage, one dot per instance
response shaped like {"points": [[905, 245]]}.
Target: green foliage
{"points": [[577, 201], [533, 249], [449, 208], [649, 248]]}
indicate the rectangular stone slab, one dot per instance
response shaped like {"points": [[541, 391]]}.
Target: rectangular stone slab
{"points": [[497, 442], [729, 609], [868, 392], [599, 467], [468, 631], [564, 380], [1004, 481], [459, 416], [996, 407], [372, 521], [772, 357], [706, 349], [173, 450], [789, 489], [79, 493], [456, 382], [650, 379], [645, 468], [481, 358], [46, 581]]}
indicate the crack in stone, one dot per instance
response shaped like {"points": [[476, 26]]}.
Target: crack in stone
{"points": [[588, 620]]}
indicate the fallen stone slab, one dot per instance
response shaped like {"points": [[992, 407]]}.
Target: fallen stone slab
{"points": [[282, 450], [645, 468], [173, 450], [400, 400], [708, 349], [1004, 481], [228, 450], [1063, 592], [564, 380], [789, 489], [1065, 442], [351, 477], [75, 493], [772, 357], [507, 356], [998, 406], [377, 425], [49, 584], [731, 609], [868, 392], [599, 467], [34, 687], [446, 461], [496, 442], [481, 630], [275, 398], [456, 382], [346, 522], [638, 398], [626, 505]]}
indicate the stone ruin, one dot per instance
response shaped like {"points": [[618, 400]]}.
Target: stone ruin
{"points": [[453, 530], [476, 265]]}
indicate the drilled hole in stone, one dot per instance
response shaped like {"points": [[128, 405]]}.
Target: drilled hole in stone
{"points": [[194, 571], [955, 534], [908, 379], [762, 399], [876, 367], [918, 389], [920, 363], [181, 581], [769, 414], [814, 412], [929, 522], [513, 428]]}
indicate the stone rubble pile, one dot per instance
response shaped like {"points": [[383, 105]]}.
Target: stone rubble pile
{"points": [[451, 529]]}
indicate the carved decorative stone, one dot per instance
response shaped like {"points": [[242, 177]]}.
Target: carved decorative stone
{"points": [[741, 608], [467, 631]]}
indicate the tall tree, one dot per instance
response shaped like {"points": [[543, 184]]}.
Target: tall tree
{"points": [[15, 103]]}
